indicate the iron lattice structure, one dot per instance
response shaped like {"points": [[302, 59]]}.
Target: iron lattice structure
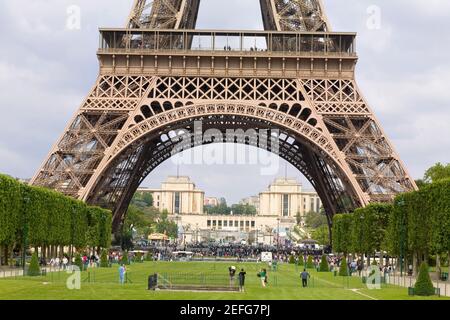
{"points": [[158, 76]]}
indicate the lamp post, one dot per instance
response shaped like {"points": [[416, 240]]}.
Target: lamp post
{"points": [[26, 200], [401, 203], [278, 233], [263, 234], [196, 233]]}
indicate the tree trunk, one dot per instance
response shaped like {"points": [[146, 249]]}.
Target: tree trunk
{"points": [[368, 260], [7, 255], [448, 259], [405, 264], [2, 255], [438, 266], [415, 262]]}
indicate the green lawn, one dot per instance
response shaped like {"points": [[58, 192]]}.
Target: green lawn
{"points": [[284, 284]]}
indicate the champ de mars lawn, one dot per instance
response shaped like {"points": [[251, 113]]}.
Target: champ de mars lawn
{"points": [[284, 284]]}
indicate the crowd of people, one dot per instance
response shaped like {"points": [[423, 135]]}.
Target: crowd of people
{"points": [[237, 251]]}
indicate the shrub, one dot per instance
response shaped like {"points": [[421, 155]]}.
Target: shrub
{"points": [[424, 286], [310, 263], [324, 267], [124, 259], [149, 256], [34, 270], [343, 269], [301, 261], [78, 261], [104, 263], [291, 259]]}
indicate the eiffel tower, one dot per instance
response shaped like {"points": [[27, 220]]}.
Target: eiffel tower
{"points": [[159, 75]]}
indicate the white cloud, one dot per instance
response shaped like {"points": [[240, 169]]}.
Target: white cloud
{"points": [[46, 70]]}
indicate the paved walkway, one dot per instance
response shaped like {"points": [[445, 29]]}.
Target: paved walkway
{"points": [[10, 272], [409, 281], [6, 272]]}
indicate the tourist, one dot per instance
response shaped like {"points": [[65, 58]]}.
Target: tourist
{"points": [[242, 280], [122, 272], [232, 273], [65, 261], [360, 267], [305, 275], [263, 276]]}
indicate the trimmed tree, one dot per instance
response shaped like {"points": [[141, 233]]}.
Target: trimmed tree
{"points": [[104, 263], [342, 228], [291, 259], [343, 269], [124, 259], [149, 256], [324, 267], [424, 286], [78, 261], [34, 270], [310, 263], [301, 261]]}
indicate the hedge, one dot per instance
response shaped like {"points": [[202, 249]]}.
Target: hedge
{"points": [[47, 217], [416, 224]]}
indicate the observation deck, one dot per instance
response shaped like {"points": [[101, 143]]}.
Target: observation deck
{"points": [[227, 53]]}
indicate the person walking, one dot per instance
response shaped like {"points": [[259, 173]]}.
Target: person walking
{"points": [[232, 273], [305, 275], [263, 276], [122, 272], [65, 261], [360, 267], [242, 280]]}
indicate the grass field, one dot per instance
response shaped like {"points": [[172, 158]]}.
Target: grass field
{"points": [[284, 284]]}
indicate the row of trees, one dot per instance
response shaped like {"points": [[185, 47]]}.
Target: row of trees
{"points": [[415, 226], [143, 219], [41, 218], [236, 209]]}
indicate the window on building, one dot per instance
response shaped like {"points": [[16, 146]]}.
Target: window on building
{"points": [[312, 204], [214, 223], [247, 224], [285, 205], [208, 223], [242, 224], [236, 224], [225, 223], [253, 224], [177, 203]]}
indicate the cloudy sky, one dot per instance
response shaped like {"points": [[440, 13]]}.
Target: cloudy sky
{"points": [[46, 70]]}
